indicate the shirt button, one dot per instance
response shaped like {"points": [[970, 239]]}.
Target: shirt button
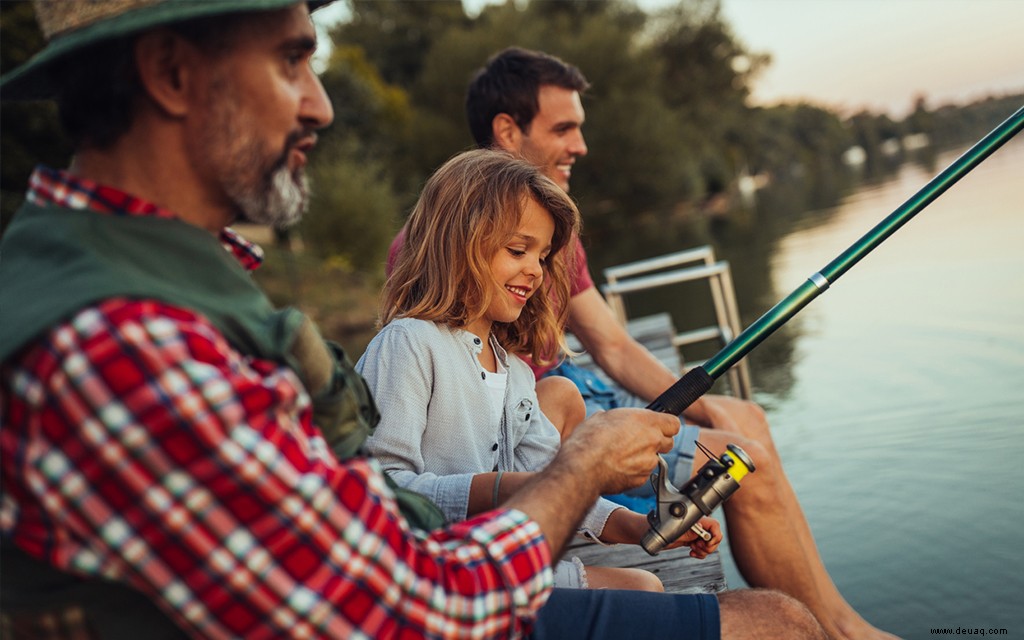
{"points": [[476, 340], [483, 376], [494, 447], [527, 416]]}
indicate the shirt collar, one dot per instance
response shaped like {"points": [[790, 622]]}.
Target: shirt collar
{"points": [[476, 345], [57, 187]]}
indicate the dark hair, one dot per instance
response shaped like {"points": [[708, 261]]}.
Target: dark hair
{"points": [[99, 87], [510, 84]]}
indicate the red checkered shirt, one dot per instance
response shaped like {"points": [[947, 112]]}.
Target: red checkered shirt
{"points": [[138, 445]]}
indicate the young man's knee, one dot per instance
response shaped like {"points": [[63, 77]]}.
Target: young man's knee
{"points": [[749, 417], [766, 462]]}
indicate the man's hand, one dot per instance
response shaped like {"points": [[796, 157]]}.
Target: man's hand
{"points": [[609, 453], [620, 446]]}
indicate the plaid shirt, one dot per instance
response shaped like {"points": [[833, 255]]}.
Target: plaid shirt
{"points": [[139, 446]]}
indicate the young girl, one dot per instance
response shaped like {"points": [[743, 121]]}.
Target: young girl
{"points": [[476, 284]]}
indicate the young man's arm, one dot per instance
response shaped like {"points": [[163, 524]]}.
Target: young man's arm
{"points": [[625, 360]]}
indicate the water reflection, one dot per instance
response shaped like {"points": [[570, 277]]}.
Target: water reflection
{"points": [[895, 397]]}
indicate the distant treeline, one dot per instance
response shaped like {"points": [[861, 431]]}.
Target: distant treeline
{"points": [[669, 125]]}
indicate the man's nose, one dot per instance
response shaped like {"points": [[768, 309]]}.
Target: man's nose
{"points": [[579, 145], [316, 108]]}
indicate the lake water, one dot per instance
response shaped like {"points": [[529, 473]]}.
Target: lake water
{"points": [[897, 397]]}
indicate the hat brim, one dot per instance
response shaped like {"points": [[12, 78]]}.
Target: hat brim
{"points": [[34, 80]]}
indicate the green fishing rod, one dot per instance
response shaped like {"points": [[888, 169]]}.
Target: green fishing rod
{"points": [[678, 510]]}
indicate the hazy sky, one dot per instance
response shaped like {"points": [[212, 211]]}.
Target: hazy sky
{"points": [[880, 53], [876, 54]]}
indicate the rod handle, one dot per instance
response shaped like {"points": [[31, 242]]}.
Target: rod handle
{"points": [[695, 383]]}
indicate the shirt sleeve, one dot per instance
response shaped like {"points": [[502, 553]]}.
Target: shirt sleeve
{"points": [[399, 369], [579, 270], [152, 453]]}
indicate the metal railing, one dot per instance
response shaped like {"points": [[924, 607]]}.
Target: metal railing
{"points": [[671, 269]]}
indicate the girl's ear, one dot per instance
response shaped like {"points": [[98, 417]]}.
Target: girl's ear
{"points": [[507, 134]]}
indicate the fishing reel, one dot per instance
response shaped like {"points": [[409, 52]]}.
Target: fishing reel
{"points": [[679, 510]]}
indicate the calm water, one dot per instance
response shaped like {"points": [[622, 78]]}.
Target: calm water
{"points": [[897, 397]]}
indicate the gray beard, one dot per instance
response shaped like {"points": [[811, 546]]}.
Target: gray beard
{"points": [[280, 201], [262, 192]]}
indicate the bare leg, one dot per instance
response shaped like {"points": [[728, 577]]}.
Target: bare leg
{"points": [[768, 532], [623, 578], [561, 402], [767, 615]]}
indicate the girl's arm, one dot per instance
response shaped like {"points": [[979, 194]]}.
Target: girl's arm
{"points": [[481, 492]]}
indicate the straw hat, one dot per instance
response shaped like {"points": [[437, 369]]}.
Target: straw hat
{"points": [[72, 25]]}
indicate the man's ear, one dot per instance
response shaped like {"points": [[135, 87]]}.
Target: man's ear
{"points": [[165, 64], [506, 132]]}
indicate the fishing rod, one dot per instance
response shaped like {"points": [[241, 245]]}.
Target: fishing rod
{"points": [[678, 510]]}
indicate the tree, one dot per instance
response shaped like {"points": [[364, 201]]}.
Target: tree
{"points": [[30, 133], [396, 34]]}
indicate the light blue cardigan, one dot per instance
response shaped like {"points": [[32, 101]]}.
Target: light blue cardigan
{"points": [[437, 431]]}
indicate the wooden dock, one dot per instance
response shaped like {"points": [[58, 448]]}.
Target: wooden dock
{"points": [[678, 572]]}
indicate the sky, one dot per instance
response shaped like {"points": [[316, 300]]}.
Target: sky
{"points": [[875, 54], [879, 54]]}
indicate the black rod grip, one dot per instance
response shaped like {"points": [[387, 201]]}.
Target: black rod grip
{"points": [[695, 383]]}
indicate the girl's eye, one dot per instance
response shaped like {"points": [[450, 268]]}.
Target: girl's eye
{"points": [[516, 252]]}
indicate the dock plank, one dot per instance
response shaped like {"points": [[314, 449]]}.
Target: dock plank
{"points": [[677, 570]]}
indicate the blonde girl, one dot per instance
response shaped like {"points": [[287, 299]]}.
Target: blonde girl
{"points": [[476, 285]]}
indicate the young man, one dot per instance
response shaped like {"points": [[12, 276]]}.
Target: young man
{"points": [[529, 103], [178, 458]]}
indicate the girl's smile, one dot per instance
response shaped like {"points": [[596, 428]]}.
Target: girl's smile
{"points": [[518, 268]]}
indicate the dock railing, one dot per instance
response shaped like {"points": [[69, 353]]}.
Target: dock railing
{"points": [[698, 263]]}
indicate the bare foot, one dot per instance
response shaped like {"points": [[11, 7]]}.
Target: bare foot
{"points": [[854, 627]]}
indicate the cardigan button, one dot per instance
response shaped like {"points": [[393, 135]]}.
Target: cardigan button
{"points": [[494, 447], [476, 340], [527, 417], [483, 376]]}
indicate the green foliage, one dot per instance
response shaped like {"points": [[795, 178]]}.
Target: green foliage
{"points": [[353, 212], [395, 34], [668, 126], [29, 132]]}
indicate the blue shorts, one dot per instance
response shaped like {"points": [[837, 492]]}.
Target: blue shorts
{"points": [[599, 395], [615, 614]]}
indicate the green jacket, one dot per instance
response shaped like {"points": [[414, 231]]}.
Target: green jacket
{"points": [[57, 261]]}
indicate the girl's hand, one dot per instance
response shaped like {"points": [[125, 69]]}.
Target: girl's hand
{"points": [[699, 548]]}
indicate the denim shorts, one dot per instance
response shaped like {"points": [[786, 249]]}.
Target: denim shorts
{"points": [[600, 614], [599, 395]]}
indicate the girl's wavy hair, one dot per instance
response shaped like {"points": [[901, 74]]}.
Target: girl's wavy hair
{"points": [[468, 211]]}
